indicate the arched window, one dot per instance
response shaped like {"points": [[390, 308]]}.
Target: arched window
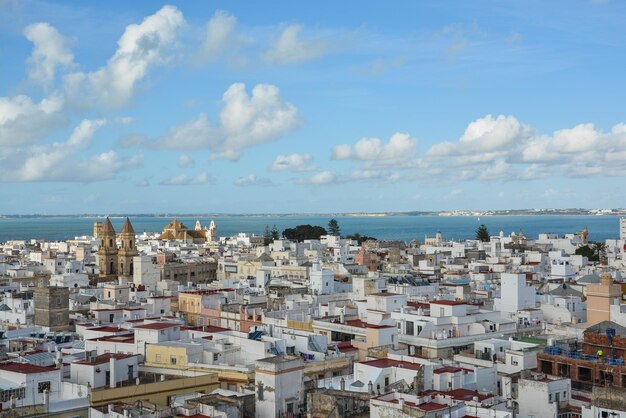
{"points": [[111, 242], [131, 268], [111, 267]]}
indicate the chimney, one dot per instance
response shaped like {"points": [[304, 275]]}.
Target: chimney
{"points": [[342, 384], [370, 387], [46, 400], [113, 377]]}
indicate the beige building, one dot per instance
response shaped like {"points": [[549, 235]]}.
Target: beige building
{"points": [[600, 297]]}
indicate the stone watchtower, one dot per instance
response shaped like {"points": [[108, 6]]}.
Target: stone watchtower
{"points": [[128, 250], [52, 307], [107, 254]]}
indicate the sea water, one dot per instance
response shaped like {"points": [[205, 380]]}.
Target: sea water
{"points": [[401, 227]]}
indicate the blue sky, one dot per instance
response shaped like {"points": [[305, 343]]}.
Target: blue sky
{"points": [[139, 107]]}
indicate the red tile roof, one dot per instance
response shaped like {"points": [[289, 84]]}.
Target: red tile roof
{"points": [[431, 406], [24, 368], [448, 369], [447, 302], [122, 339], [360, 324], [385, 294], [466, 395], [385, 363], [157, 325], [105, 358], [107, 329]]}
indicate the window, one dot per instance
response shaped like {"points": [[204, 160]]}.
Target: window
{"points": [[215, 356], [442, 311], [173, 360], [514, 361], [6, 395], [158, 358]]}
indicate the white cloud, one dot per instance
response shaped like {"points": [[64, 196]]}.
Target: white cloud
{"points": [[321, 178], [145, 182], [290, 47], [245, 121], [293, 162], [374, 175], [185, 180], [83, 133], [140, 47], [484, 139], [60, 161], [252, 180], [185, 161], [499, 170], [380, 66], [491, 148], [23, 121], [220, 38], [400, 150], [132, 141], [50, 50]]}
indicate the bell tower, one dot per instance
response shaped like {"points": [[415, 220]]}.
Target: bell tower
{"points": [[107, 253], [128, 250]]}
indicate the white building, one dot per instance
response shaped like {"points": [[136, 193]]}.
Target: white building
{"points": [[542, 397], [515, 293], [279, 386], [145, 272], [71, 280], [321, 280], [25, 385], [106, 370]]}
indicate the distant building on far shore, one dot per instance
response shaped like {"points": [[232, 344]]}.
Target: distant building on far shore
{"points": [[176, 230]]}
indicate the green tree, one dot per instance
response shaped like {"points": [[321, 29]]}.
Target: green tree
{"points": [[586, 251], [267, 235], [360, 238], [275, 234], [593, 252], [333, 227], [482, 233], [304, 232]]}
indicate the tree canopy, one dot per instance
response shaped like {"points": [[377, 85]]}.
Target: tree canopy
{"points": [[333, 228], [304, 232], [360, 238], [482, 233], [593, 252]]}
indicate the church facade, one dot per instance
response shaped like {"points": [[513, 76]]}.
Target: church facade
{"points": [[176, 230], [114, 261]]}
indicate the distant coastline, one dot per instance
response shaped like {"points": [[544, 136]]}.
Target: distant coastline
{"points": [[454, 213]]}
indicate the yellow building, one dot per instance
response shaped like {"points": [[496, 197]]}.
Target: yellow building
{"points": [[160, 390], [177, 357]]}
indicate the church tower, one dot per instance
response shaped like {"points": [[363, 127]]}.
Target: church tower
{"points": [[107, 254], [212, 232], [128, 250]]}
